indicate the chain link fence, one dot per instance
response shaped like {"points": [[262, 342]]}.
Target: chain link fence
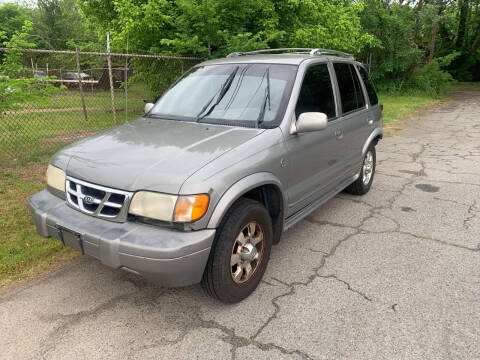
{"points": [[91, 91]]}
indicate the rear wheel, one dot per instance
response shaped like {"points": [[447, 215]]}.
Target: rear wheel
{"points": [[240, 252], [364, 181]]}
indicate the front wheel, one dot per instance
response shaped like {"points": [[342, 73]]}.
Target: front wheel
{"points": [[364, 181], [240, 252]]}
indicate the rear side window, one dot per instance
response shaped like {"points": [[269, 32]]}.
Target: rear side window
{"points": [[351, 93], [372, 94], [316, 94]]}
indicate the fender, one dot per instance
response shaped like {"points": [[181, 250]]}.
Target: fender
{"points": [[237, 190], [377, 132]]}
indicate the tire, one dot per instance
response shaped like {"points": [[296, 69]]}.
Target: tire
{"points": [[219, 280], [359, 186]]}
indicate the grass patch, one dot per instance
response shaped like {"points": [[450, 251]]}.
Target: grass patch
{"points": [[37, 128], [23, 253], [28, 138], [397, 106]]}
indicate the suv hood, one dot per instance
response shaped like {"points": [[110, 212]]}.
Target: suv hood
{"points": [[150, 154]]}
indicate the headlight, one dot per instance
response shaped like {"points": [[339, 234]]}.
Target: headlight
{"points": [[166, 207], [56, 178], [153, 205]]}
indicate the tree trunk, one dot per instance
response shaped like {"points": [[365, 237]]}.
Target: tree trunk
{"points": [[417, 21], [462, 23], [476, 42], [433, 37]]}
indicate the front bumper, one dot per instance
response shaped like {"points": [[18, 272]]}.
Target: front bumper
{"points": [[169, 257]]}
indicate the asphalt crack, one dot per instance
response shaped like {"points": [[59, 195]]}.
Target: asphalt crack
{"points": [[349, 287]]}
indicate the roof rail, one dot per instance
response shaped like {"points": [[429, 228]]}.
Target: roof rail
{"points": [[330, 52], [311, 51]]}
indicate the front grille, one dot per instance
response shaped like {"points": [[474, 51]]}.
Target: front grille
{"points": [[98, 200]]}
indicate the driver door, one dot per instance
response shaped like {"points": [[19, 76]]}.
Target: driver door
{"points": [[314, 157]]}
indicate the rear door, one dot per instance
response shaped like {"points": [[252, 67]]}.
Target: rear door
{"points": [[355, 116], [314, 157]]}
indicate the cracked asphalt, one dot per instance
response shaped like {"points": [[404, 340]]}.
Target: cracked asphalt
{"points": [[394, 274]]}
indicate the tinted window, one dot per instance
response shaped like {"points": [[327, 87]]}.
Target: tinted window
{"points": [[351, 93], [316, 94], [358, 88], [372, 94]]}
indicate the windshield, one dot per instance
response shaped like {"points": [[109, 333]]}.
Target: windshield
{"points": [[231, 94]]}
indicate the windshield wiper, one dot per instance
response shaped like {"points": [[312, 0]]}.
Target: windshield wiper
{"points": [[261, 116], [223, 90]]}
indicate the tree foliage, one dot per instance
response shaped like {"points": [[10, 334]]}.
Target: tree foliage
{"points": [[58, 24], [400, 39], [12, 18], [408, 44], [427, 37], [212, 28], [17, 84]]}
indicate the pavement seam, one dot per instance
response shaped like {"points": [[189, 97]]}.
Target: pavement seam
{"points": [[349, 287]]}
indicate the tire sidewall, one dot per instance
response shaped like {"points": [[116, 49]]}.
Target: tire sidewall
{"points": [[226, 289], [366, 187]]}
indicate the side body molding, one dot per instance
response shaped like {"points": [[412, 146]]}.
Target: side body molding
{"points": [[238, 189], [377, 132]]}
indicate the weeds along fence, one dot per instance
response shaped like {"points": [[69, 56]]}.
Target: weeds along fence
{"points": [[87, 92]]}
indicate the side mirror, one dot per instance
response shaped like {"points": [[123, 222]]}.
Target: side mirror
{"points": [[311, 121], [148, 107]]}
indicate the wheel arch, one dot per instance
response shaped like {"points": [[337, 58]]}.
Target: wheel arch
{"points": [[374, 137], [263, 187]]}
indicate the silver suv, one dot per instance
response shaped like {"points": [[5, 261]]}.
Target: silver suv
{"points": [[235, 152]]}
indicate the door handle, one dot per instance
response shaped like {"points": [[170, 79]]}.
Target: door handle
{"points": [[339, 133], [369, 121]]}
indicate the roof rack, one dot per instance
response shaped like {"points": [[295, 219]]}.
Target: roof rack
{"points": [[310, 51]]}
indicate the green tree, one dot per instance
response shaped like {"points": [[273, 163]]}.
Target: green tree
{"points": [[331, 24], [58, 24], [12, 65], [401, 38], [394, 52], [12, 18], [212, 28], [17, 84]]}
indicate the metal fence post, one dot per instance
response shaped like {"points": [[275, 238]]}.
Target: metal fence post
{"points": [[80, 85], [126, 88], [110, 76], [112, 93]]}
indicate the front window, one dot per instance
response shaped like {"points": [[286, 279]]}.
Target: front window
{"points": [[232, 94], [316, 93]]}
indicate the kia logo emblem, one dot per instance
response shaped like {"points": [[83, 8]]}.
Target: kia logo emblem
{"points": [[88, 200]]}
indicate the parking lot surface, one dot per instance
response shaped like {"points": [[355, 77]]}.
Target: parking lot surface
{"points": [[394, 274]]}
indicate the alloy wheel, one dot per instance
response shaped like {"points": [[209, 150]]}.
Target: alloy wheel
{"points": [[367, 169], [247, 252]]}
